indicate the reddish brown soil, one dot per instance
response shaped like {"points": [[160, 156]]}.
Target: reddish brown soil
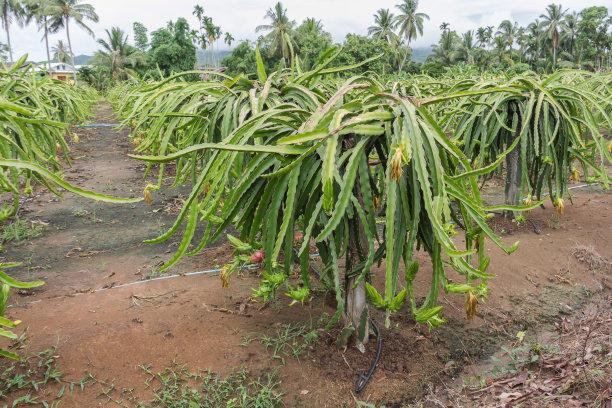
{"points": [[110, 333]]}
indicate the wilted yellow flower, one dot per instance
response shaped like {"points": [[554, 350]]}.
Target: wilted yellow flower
{"points": [[471, 302], [148, 196], [224, 275], [397, 164], [528, 200], [559, 205], [376, 202], [575, 176], [75, 138]]}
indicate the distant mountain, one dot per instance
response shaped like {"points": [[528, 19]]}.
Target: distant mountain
{"points": [[204, 56], [82, 59], [78, 60], [421, 54]]}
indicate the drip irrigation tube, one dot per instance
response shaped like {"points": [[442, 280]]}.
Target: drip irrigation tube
{"points": [[364, 378], [98, 125]]}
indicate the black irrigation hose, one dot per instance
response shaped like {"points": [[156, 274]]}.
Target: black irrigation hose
{"points": [[364, 378]]}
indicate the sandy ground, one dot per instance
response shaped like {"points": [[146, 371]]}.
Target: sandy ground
{"points": [[89, 246]]}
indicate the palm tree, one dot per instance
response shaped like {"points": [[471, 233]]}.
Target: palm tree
{"points": [[61, 52], [522, 39], [551, 22], [312, 25], [409, 22], [117, 54], [384, 24], [482, 37], [500, 48], [468, 47], [198, 11], [229, 39], [11, 10], [210, 33], [38, 10], [570, 31], [279, 30], [217, 36], [508, 30], [61, 12], [446, 50], [444, 26], [534, 40]]}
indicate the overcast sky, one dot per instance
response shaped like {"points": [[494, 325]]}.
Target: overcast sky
{"points": [[240, 17]]}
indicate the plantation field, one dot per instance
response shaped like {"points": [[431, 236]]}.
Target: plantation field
{"points": [[110, 336]]}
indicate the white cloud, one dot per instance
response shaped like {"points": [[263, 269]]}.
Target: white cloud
{"points": [[240, 17]]}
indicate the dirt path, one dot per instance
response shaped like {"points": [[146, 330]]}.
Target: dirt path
{"points": [[109, 333]]}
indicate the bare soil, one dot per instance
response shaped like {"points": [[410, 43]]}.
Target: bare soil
{"points": [[190, 319]]}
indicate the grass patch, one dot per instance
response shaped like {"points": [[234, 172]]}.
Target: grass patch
{"points": [[23, 382], [21, 230], [176, 387], [289, 340]]}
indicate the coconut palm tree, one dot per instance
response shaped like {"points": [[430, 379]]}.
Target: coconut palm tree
{"points": [[38, 10], [468, 47], [279, 30], [551, 23], [62, 12], [570, 31], [312, 25], [482, 37], [446, 51], [410, 23], [445, 26], [534, 41], [117, 55], [508, 30], [500, 49], [61, 52], [11, 10], [384, 25]]}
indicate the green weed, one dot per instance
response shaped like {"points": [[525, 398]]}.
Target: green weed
{"points": [[24, 382], [176, 387], [21, 230]]}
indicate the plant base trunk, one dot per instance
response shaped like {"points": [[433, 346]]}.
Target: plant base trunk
{"points": [[357, 313], [513, 180]]}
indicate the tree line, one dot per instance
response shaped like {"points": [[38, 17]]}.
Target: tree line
{"points": [[559, 38]]}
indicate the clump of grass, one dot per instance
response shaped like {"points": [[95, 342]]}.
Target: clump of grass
{"points": [[290, 340], [21, 230], [177, 387], [23, 382]]}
